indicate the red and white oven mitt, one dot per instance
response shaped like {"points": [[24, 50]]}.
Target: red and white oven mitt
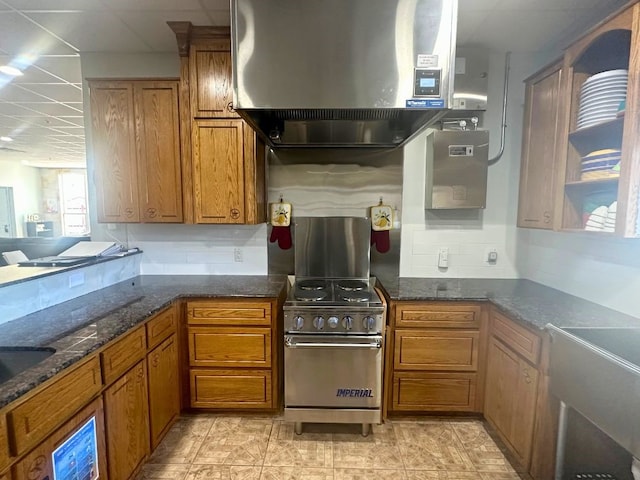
{"points": [[381, 223], [280, 219]]}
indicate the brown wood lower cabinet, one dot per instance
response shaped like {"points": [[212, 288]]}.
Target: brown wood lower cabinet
{"points": [[127, 422], [164, 391], [37, 465], [4, 444], [438, 352], [228, 389], [511, 396], [234, 353], [427, 391]]}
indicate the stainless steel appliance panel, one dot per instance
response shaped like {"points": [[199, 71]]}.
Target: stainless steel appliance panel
{"points": [[471, 79], [603, 387], [333, 372], [332, 247], [457, 167], [333, 54]]}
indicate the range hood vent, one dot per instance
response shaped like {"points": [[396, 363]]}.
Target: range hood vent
{"points": [[339, 127], [335, 73]]}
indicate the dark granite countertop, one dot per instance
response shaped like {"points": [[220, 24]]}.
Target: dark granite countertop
{"points": [[80, 326], [530, 303]]}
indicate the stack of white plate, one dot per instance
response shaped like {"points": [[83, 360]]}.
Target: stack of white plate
{"points": [[601, 96]]}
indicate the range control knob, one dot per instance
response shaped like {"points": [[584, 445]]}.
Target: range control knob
{"points": [[347, 322], [298, 322], [318, 322], [368, 323], [333, 322]]}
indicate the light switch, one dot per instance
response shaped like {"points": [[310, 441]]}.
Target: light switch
{"points": [[443, 258]]}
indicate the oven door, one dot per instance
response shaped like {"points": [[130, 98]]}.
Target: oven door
{"points": [[333, 371]]}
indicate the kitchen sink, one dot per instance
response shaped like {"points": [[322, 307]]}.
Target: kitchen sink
{"points": [[14, 360], [622, 342], [596, 371]]}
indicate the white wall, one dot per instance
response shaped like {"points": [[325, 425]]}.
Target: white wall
{"points": [[602, 270], [469, 235], [26, 188]]}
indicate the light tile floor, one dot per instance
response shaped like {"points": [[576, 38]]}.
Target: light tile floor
{"points": [[217, 447]]}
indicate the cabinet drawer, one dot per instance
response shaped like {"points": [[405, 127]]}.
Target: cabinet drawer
{"points": [[230, 388], [226, 347], [4, 444], [229, 313], [438, 315], [519, 339], [436, 392], [34, 419], [161, 326], [124, 353], [436, 350]]}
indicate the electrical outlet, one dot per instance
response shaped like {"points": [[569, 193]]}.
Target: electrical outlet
{"points": [[237, 255], [492, 256], [443, 258]]}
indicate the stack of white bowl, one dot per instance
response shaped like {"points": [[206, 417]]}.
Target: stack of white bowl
{"points": [[601, 96]]}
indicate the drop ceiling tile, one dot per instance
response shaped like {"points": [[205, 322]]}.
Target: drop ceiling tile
{"points": [[153, 29], [465, 6], [34, 74], [93, 31], [67, 68], [20, 36], [154, 5], [56, 4], [60, 93], [29, 110], [13, 93]]}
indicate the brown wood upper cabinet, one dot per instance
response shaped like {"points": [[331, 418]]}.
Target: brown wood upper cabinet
{"points": [[136, 150], [539, 150], [557, 138], [210, 78], [223, 159]]}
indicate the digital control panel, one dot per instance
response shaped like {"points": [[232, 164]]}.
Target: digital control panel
{"points": [[427, 82]]}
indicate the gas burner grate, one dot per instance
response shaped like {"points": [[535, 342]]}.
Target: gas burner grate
{"points": [[312, 285], [310, 295], [352, 285]]}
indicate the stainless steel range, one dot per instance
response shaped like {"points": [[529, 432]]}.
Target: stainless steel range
{"points": [[334, 325]]}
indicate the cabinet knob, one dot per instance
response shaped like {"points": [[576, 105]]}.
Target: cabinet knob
{"points": [[128, 212], [155, 360], [547, 216], [152, 212], [230, 107], [235, 213]]}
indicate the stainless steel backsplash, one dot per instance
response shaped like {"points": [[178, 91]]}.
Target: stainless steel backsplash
{"points": [[335, 183]]}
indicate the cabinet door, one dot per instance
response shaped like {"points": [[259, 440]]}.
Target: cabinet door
{"points": [[539, 168], [114, 152], [210, 78], [164, 394], [218, 170], [510, 400], [4, 443], [158, 142], [37, 465], [127, 422]]}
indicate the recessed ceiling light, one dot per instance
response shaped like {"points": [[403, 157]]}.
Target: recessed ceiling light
{"points": [[6, 139], [9, 70]]}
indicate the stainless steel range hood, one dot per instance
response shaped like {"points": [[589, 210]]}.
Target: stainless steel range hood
{"points": [[342, 73]]}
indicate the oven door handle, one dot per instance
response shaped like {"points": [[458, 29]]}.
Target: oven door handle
{"points": [[290, 343]]}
